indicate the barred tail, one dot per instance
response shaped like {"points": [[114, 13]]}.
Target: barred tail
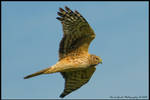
{"points": [[37, 73]]}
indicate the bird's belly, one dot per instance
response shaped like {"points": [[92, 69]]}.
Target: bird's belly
{"points": [[73, 63], [76, 65], [73, 68]]}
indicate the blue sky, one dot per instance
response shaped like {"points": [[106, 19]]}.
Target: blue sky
{"points": [[30, 40]]}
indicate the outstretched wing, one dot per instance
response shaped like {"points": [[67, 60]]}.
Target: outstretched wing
{"points": [[77, 33], [75, 79]]}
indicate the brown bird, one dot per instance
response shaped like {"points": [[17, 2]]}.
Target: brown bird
{"points": [[75, 64]]}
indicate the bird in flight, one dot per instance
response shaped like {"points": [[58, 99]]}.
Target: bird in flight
{"points": [[75, 64]]}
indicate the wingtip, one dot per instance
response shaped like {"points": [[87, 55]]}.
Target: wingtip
{"points": [[62, 96], [59, 18], [67, 8], [60, 14], [61, 10]]}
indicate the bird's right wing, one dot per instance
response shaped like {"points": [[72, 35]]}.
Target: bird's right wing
{"points": [[77, 33], [76, 79]]}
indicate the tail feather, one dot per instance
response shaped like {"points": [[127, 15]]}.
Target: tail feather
{"points": [[37, 73]]}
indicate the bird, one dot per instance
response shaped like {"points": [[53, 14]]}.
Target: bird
{"points": [[75, 63]]}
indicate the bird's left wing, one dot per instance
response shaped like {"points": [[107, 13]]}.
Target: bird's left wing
{"points": [[75, 79]]}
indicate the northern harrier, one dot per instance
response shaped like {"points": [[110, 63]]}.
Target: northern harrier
{"points": [[75, 64]]}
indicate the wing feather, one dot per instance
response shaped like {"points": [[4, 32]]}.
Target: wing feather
{"points": [[77, 33], [75, 79]]}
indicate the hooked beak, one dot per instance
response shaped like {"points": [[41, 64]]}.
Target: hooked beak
{"points": [[101, 61]]}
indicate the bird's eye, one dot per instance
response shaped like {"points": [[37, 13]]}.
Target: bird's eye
{"points": [[97, 59]]}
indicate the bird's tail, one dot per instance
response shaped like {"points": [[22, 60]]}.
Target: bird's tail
{"points": [[37, 73]]}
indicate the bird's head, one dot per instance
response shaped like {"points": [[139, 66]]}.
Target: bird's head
{"points": [[95, 60]]}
